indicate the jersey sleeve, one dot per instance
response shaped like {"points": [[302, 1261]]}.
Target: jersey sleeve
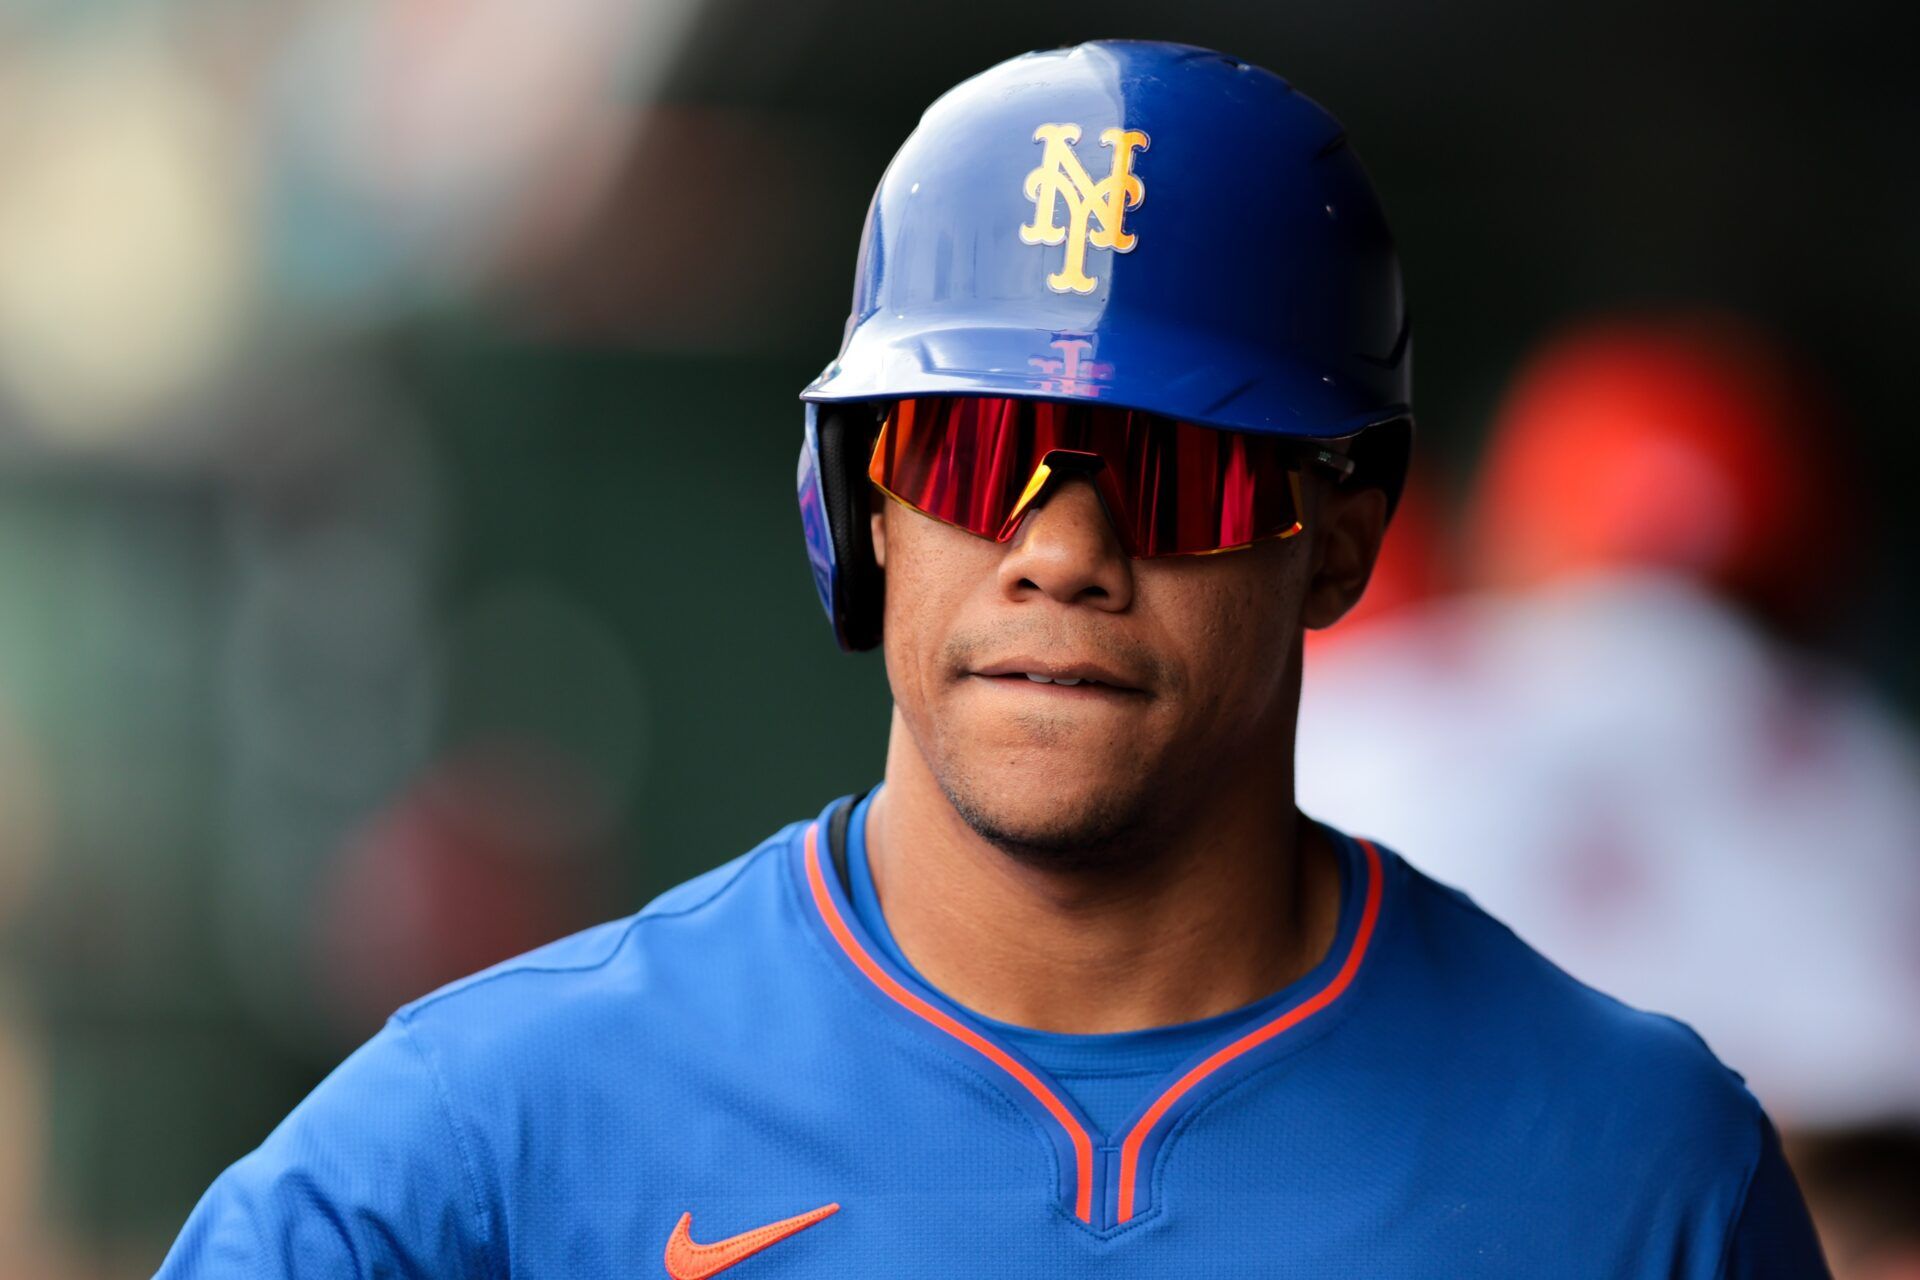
{"points": [[1773, 1238], [366, 1177]]}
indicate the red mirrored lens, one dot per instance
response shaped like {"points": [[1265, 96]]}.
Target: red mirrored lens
{"points": [[1170, 487]]}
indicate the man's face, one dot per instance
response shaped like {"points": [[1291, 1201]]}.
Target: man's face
{"points": [[1188, 665]]}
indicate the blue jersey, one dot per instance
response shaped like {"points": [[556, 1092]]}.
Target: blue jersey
{"points": [[743, 1078]]}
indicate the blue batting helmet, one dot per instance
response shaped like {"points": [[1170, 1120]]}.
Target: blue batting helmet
{"points": [[1152, 226]]}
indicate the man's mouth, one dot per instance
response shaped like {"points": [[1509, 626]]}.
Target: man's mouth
{"points": [[1059, 674]]}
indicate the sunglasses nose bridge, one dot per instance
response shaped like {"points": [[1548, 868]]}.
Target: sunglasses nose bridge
{"points": [[1064, 463]]}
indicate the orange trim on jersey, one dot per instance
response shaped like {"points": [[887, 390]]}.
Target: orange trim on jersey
{"points": [[1082, 1144], [1130, 1149]]}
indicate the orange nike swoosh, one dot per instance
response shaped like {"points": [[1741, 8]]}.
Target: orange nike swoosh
{"points": [[689, 1261]]}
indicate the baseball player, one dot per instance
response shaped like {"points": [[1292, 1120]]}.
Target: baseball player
{"points": [[1122, 408]]}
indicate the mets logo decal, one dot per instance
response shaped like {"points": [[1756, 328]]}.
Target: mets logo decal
{"points": [[1062, 179]]}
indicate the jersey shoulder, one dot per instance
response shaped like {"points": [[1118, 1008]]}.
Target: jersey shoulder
{"points": [[680, 949], [1590, 1101], [401, 1161], [1633, 1084]]}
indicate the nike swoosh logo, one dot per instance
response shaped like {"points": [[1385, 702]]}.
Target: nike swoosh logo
{"points": [[689, 1261]]}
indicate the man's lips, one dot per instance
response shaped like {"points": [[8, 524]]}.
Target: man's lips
{"points": [[1069, 674]]}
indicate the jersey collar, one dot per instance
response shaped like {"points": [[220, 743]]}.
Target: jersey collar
{"points": [[1105, 1179]]}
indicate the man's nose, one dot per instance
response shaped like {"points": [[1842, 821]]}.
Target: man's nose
{"points": [[1066, 548]]}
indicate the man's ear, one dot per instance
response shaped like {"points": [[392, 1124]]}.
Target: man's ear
{"points": [[1350, 524], [879, 526]]}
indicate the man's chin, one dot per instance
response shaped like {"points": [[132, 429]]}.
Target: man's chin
{"points": [[1063, 833]]}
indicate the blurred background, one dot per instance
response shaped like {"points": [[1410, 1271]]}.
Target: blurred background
{"points": [[399, 566]]}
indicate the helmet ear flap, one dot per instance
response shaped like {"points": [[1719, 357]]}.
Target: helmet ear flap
{"points": [[834, 511]]}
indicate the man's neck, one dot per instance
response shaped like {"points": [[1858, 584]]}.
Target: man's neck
{"points": [[1243, 901]]}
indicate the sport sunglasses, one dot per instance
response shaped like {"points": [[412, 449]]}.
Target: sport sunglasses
{"points": [[1170, 488]]}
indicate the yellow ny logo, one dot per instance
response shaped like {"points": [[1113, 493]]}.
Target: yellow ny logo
{"points": [[1061, 177]]}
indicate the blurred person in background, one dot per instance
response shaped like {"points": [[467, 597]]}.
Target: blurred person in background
{"points": [[1625, 746]]}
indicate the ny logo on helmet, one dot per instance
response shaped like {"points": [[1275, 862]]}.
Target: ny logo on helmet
{"points": [[1062, 178]]}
